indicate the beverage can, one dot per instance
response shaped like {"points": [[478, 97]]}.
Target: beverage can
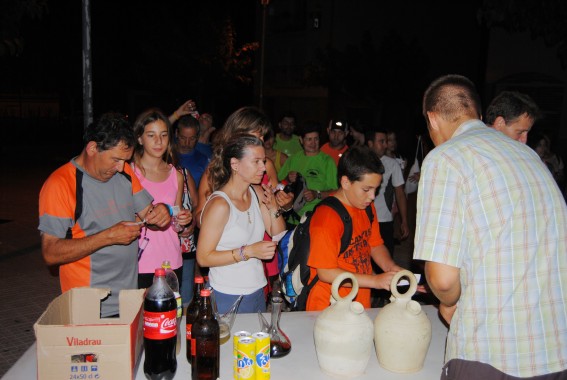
{"points": [[262, 362], [235, 338], [245, 355]]}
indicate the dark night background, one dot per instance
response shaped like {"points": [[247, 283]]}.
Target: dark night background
{"points": [[366, 61], [361, 60]]}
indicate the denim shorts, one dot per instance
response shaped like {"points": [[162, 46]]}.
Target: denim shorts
{"points": [[251, 303]]}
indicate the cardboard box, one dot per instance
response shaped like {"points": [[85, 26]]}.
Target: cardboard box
{"points": [[73, 342]]}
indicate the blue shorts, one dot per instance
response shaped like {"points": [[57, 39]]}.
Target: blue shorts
{"points": [[251, 303]]}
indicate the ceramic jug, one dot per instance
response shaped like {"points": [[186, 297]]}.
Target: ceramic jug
{"points": [[402, 330], [343, 333]]}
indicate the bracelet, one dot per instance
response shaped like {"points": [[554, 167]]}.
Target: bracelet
{"points": [[243, 256], [276, 214], [175, 115], [233, 256], [284, 210]]}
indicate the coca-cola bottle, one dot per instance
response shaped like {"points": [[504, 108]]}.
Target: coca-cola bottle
{"points": [[206, 334], [173, 282], [160, 329], [191, 315]]}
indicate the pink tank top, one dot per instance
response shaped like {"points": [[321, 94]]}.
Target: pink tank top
{"points": [[163, 244]]}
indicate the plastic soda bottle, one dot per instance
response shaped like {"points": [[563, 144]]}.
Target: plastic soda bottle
{"points": [[173, 282], [160, 329]]}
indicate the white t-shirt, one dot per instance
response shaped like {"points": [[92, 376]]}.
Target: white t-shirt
{"points": [[391, 178]]}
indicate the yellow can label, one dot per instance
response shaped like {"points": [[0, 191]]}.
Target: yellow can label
{"points": [[245, 355], [262, 361], [235, 338]]}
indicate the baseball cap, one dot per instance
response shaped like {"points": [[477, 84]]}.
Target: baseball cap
{"points": [[341, 125]]}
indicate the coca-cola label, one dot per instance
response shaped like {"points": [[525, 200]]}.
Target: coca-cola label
{"points": [[160, 325], [188, 331]]}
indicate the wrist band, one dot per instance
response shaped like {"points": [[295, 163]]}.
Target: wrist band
{"points": [[233, 256], [243, 256], [288, 210]]}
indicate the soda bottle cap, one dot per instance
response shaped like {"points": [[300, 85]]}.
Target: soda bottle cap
{"points": [[199, 280], [205, 293], [160, 272]]}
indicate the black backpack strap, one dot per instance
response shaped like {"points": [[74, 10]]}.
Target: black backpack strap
{"points": [[78, 201], [301, 301], [370, 214], [334, 203]]}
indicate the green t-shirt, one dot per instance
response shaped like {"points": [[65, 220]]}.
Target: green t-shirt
{"points": [[289, 147], [319, 172]]}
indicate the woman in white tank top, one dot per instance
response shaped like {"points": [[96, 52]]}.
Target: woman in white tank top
{"points": [[233, 223]]}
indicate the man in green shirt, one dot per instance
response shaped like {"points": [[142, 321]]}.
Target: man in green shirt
{"points": [[286, 141]]}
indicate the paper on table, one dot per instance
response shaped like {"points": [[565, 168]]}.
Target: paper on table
{"points": [[279, 236], [403, 281]]}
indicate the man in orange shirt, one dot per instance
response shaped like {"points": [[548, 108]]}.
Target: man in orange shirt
{"points": [[360, 174], [88, 210], [338, 132]]}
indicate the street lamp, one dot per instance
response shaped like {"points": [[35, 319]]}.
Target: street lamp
{"points": [[265, 4]]}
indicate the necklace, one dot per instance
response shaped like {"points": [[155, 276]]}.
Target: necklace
{"points": [[249, 218]]}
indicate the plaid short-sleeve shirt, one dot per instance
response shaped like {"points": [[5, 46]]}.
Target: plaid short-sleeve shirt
{"points": [[489, 206]]}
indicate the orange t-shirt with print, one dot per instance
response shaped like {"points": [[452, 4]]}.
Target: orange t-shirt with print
{"points": [[326, 230]]}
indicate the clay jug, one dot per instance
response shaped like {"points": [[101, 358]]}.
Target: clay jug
{"points": [[402, 331], [343, 333]]}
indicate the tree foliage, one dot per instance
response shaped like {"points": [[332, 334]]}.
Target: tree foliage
{"points": [[542, 18], [12, 14]]}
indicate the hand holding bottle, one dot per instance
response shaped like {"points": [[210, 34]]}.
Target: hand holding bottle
{"points": [[184, 217]]}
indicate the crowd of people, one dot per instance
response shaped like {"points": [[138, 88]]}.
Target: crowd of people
{"points": [[488, 220]]}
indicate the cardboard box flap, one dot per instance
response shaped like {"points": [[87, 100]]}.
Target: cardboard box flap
{"points": [[76, 306], [58, 311], [129, 301], [85, 304]]}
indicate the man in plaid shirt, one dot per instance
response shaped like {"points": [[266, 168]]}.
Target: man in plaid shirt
{"points": [[492, 228]]}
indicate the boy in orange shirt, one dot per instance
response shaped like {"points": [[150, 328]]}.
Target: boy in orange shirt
{"points": [[359, 174]]}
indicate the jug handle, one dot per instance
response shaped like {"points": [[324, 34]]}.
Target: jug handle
{"points": [[412, 281], [337, 282]]}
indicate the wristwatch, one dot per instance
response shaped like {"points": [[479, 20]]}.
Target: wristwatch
{"points": [[318, 194]]}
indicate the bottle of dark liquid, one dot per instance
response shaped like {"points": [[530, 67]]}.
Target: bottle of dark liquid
{"points": [[160, 329], [191, 316], [206, 333]]}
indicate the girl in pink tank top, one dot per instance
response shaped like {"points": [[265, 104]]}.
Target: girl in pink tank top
{"points": [[152, 164]]}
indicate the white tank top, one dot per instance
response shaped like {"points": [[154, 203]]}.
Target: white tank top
{"points": [[243, 228]]}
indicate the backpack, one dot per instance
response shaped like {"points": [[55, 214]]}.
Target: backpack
{"points": [[293, 253]]}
